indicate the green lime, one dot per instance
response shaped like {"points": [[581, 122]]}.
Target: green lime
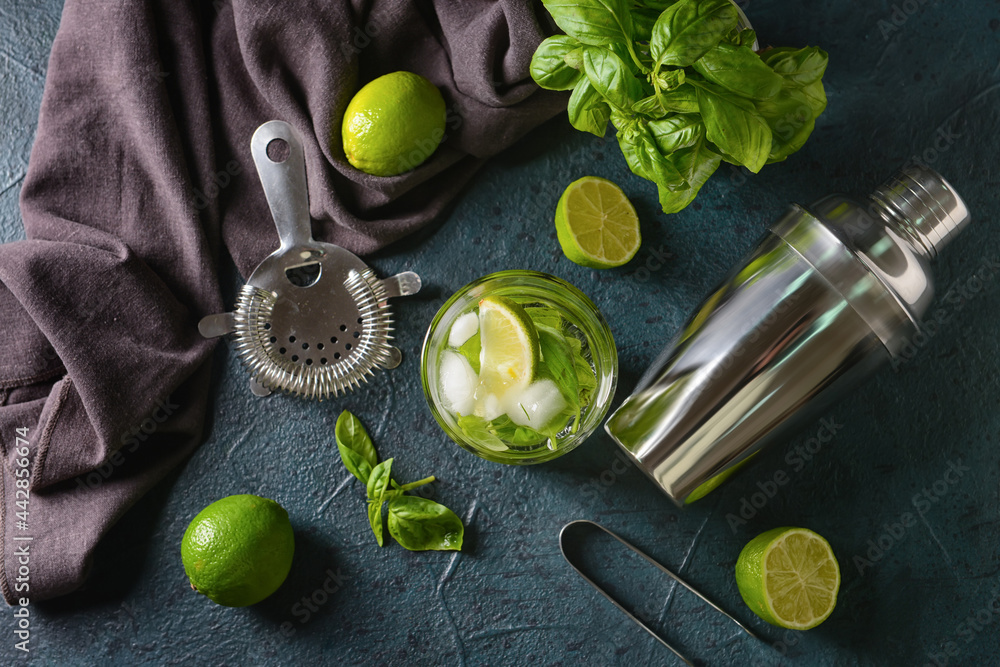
{"points": [[596, 224], [393, 124], [238, 550], [789, 577], [509, 345]]}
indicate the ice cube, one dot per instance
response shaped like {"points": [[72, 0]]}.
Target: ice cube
{"points": [[464, 328], [458, 383], [537, 406], [492, 408]]}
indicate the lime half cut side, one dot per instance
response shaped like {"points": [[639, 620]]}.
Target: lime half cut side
{"points": [[789, 577], [596, 224]]}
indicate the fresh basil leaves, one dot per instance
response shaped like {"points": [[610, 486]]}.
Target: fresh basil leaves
{"points": [[356, 448], [550, 66], [418, 524], [688, 29], [682, 86], [378, 485]]}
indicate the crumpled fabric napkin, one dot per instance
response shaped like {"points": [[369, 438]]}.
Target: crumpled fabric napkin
{"points": [[140, 177]]}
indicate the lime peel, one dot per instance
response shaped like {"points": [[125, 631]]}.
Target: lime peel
{"points": [[238, 550], [393, 124]]}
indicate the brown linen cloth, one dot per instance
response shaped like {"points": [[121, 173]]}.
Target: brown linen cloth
{"points": [[140, 173]]}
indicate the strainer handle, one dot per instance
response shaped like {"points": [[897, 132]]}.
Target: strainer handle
{"points": [[284, 182]]}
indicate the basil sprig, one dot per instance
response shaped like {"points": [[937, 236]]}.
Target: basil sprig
{"points": [[682, 86], [418, 524]]}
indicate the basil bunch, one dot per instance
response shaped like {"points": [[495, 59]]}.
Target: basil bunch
{"points": [[416, 523], [683, 87]]}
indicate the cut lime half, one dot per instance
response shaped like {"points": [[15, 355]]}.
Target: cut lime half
{"points": [[596, 224], [789, 577]]}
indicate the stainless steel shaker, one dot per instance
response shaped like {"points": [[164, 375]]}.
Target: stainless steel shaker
{"points": [[831, 292]]}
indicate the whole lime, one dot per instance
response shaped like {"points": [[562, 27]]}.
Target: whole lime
{"points": [[393, 124], [238, 550]]}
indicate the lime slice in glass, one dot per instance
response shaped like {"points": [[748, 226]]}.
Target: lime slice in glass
{"points": [[509, 346]]}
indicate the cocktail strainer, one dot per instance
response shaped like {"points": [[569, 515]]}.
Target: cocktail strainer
{"points": [[313, 319]]}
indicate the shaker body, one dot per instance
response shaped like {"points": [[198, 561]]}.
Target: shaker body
{"points": [[766, 352], [828, 295]]}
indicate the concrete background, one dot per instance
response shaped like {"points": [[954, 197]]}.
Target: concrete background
{"points": [[899, 75]]}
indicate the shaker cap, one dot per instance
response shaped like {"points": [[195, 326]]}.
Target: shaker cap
{"points": [[924, 206]]}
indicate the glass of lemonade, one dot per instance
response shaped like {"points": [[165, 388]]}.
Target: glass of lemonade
{"points": [[519, 367]]}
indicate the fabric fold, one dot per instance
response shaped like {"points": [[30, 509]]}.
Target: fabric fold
{"points": [[141, 176]]}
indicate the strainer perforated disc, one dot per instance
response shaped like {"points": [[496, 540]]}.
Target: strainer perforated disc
{"points": [[313, 319]]}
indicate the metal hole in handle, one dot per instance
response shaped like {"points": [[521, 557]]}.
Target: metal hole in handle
{"points": [[581, 522], [278, 150]]}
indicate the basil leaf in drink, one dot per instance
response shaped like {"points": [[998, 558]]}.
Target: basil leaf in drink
{"points": [[676, 132], [419, 524], [585, 378], [520, 436], [478, 429], [733, 124], [525, 436], [799, 67], [544, 316], [588, 112], [549, 67], [594, 22], [609, 75], [355, 447], [686, 30], [471, 350], [378, 491], [557, 358], [740, 70]]}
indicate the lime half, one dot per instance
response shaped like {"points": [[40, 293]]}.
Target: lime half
{"points": [[789, 577], [509, 345], [596, 224]]}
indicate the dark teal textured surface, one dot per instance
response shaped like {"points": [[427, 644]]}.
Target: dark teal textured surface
{"points": [[509, 598]]}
